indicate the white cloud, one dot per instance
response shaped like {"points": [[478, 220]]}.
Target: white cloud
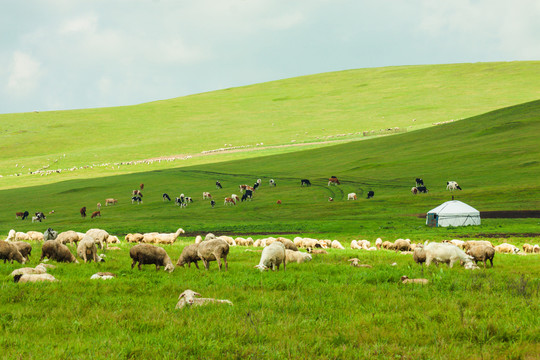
{"points": [[24, 75], [85, 24]]}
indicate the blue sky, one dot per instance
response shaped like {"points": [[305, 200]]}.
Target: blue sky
{"points": [[67, 54]]}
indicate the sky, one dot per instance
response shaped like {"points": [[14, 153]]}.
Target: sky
{"points": [[69, 54]]}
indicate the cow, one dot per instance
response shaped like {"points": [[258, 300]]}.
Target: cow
{"points": [[19, 215], [452, 185], [247, 195], [218, 185], [136, 193], [256, 186], [212, 203], [422, 189], [83, 211], [95, 214], [180, 201], [141, 186], [333, 181], [39, 216], [272, 182], [98, 206], [188, 199], [351, 196], [243, 187], [136, 199], [330, 199], [111, 201], [206, 195], [414, 190], [419, 182], [25, 215], [305, 182], [229, 201], [278, 202], [166, 197], [370, 194]]}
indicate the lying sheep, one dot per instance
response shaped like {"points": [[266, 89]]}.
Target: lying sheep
{"points": [[87, 249], [272, 256], [39, 269], [99, 236], [405, 280], [506, 248], [387, 245], [213, 250], [103, 276], [69, 236], [189, 255], [448, 254], [24, 248], [316, 251], [337, 245], [356, 263], [296, 256], [58, 252], [482, 253], [189, 298], [150, 254], [9, 252], [26, 278]]}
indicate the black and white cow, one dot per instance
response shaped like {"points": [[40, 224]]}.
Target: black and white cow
{"points": [[218, 185], [136, 199], [166, 197], [305, 182], [370, 194], [419, 182]]}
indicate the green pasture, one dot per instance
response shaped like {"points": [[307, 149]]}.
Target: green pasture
{"points": [[322, 309], [308, 108]]}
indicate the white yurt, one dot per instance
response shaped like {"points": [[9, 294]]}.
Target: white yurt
{"points": [[453, 213]]}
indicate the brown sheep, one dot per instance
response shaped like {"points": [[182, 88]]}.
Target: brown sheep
{"points": [[472, 243], [419, 255], [482, 253], [405, 280], [24, 248], [402, 245], [57, 252], [528, 248], [9, 252], [211, 250], [289, 245], [150, 254], [189, 255], [69, 236], [87, 249]]}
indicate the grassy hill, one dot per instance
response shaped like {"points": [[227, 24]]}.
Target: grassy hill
{"points": [[309, 108], [494, 157]]}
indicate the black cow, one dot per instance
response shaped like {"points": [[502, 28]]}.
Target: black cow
{"points": [[305, 182], [247, 195], [166, 197], [213, 203], [255, 186], [370, 194], [419, 182], [422, 189], [25, 215], [218, 185], [83, 211]]}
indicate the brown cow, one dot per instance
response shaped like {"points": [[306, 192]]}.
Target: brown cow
{"points": [[229, 201], [83, 211], [95, 213], [333, 181]]}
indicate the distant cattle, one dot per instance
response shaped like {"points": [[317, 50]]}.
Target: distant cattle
{"points": [[141, 186], [206, 195], [166, 197], [419, 182], [256, 186], [95, 214], [351, 196], [305, 182], [247, 195], [212, 203], [98, 206], [19, 215], [330, 199], [229, 201], [419, 189], [111, 201], [272, 182], [278, 202], [333, 181], [370, 194], [218, 185], [136, 199], [83, 211], [452, 185], [136, 193]]}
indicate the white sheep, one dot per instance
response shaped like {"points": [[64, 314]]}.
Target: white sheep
{"points": [[296, 256], [169, 238], [378, 243], [272, 256], [112, 240], [103, 276], [99, 236], [190, 298], [25, 278], [447, 253], [68, 237], [228, 239], [35, 235], [354, 245], [214, 249], [337, 245], [87, 249], [507, 248], [39, 269], [198, 239]]}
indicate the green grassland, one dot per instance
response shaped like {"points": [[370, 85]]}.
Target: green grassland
{"points": [[321, 309]]}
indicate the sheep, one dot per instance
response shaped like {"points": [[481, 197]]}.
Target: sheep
{"points": [[169, 238], [69, 236], [50, 234], [21, 236], [112, 240], [336, 245], [419, 255], [272, 256], [387, 245], [39, 269], [135, 238], [188, 297], [364, 244], [87, 249], [215, 249], [24, 278], [459, 243], [103, 276], [471, 243], [99, 236], [296, 256], [482, 253], [228, 239], [198, 239], [209, 236], [35, 235], [507, 248], [9, 252], [316, 251], [150, 254], [354, 245], [289, 245], [528, 248], [11, 235], [149, 238], [356, 263], [378, 243], [57, 252], [536, 249], [405, 280], [402, 245], [188, 256], [446, 253], [24, 248]]}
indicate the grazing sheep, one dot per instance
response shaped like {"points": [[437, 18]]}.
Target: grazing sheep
{"points": [[39, 269], [228, 239], [296, 256], [528, 248], [189, 255], [213, 250], [99, 236], [168, 238], [507, 248], [446, 253], [272, 256], [198, 239], [354, 245], [21, 236], [87, 249], [459, 243], [35, 235], [11, 235], [189, 298], [402, 245], [405, 280], [356, 263], [26, 278], [9, 252], [337, 245], [24, 248], [289, 245], [419, 255], [482, 253], [536, 249], [50, 234], [56, 251], [387, 245], [364, 244], [471, 243], [69, 236], [135, 238], [150, 254], [209, 236], [112, 240]]}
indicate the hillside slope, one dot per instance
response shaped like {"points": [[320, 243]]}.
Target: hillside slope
{"points": [[309, 108]]}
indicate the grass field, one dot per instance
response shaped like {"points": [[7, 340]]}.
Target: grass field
{"points": [[321, 309]]}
